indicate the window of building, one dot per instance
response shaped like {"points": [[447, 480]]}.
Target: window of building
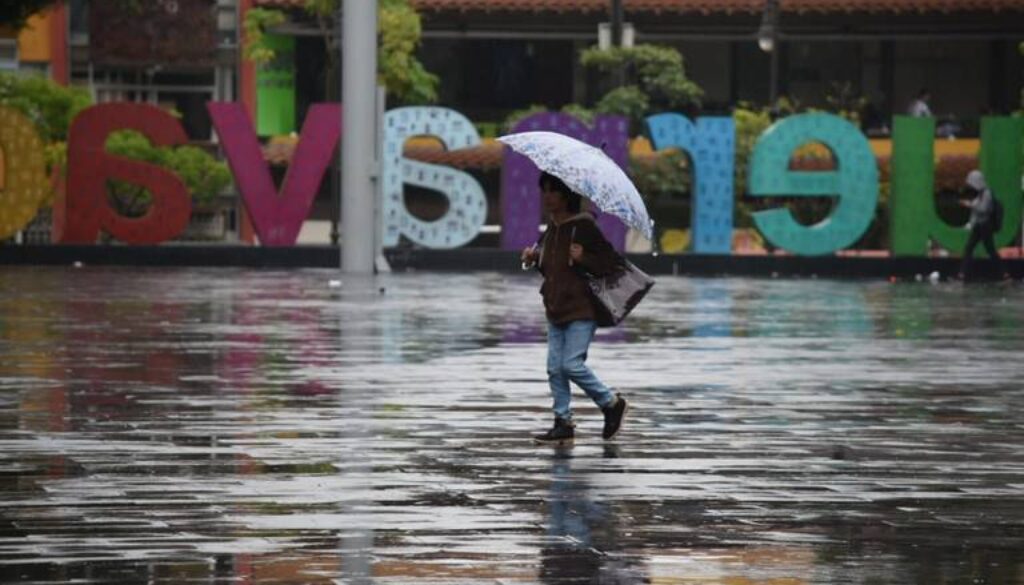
{"points": [[227, 23], [8, 53], [825, 74], [79, 21]]}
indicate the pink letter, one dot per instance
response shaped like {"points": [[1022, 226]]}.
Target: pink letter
{"points": [[277, 218]]}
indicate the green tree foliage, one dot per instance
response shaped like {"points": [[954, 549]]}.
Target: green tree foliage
{"points": [[664, 175], [257, 22], [402, 73], [655, 81], [14, 13], [203, 175], [50, 106], [845, 102], [655, 72], [750, 123], [629, 101], [399, 31]]}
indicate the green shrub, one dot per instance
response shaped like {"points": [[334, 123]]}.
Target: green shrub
{"points": [[203, 175], [49, 106], [650, 76], [629, 101]]}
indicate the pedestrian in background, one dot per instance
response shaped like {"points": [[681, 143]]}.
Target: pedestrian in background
{"points": [[986, 215], [920, 108]]}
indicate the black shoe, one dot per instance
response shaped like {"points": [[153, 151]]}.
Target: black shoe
{"points": [[560, 434], [613, 416]]}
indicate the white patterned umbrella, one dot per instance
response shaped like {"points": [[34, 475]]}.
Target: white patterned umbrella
{"points": [[586, 170]]}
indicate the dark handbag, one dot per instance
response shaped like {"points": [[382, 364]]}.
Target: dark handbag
{"points": [[621, 290]]}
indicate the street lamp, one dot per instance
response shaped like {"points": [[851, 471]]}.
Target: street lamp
{"points": [[769, 25], [766, 37]]}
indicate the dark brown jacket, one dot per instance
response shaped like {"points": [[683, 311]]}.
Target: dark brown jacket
{"points": [[566, 294]]}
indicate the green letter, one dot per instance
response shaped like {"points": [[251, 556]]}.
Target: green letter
{"points": [[1002, 156], [913, 219]]}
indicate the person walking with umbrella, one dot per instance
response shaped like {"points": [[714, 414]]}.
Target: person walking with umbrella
{"points": [[586, 282], [572, 243]]}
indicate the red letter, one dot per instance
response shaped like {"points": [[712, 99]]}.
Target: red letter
{"points": [[85, 210]]}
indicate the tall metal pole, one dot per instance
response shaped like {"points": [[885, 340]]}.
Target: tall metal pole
{"points": [[773, 77], [767, 39], [617, 19], [358, 159]]}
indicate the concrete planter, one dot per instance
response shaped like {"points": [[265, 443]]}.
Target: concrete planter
{"points": [[206, 224], [39, 230]]}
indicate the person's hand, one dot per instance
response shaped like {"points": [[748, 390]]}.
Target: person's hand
{"points": [[529, 256], [576, 252]]}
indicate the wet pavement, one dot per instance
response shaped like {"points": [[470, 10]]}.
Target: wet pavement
{"points": [[242, 426]]}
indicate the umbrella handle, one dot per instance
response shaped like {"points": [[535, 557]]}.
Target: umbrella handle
{"points": [[572, 240], [655, 244]]}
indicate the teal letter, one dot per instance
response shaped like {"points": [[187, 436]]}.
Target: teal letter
{"points": [[854, 183]]}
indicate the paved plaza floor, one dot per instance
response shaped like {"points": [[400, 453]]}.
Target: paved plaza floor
{"points": [[242, 426]]}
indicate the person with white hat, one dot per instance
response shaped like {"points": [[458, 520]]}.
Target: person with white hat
{"points": [[985, 214]]}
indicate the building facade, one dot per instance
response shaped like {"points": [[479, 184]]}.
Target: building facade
{"points": [[497, 56], [506, 54]]}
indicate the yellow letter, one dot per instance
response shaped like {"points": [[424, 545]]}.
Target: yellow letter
{"points": [[25, 184]]}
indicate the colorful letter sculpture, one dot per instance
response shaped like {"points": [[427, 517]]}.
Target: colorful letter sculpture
{"points": [[520, 195], [278, 219], [25, 184], [81, 211], [711, 144], [85, 211], [913, 218], [467, 207], [854, 183]]}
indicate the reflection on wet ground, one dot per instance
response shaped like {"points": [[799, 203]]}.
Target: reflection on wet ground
{"points": [[238, 426]]}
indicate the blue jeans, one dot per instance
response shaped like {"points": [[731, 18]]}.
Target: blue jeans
{"points": [[567, 356]]}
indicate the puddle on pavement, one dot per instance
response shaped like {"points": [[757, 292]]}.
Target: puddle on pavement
{"points": [[223, 426]]}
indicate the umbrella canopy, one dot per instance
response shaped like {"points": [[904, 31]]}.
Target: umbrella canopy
{"points": [[586, 170]]}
